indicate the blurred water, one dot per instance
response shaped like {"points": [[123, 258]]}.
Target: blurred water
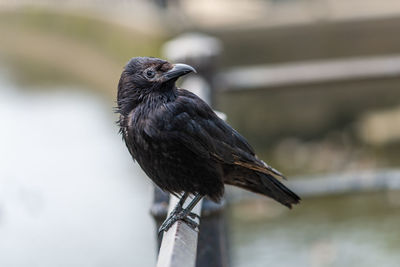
{"points": [[69, 193], [344, 231]]}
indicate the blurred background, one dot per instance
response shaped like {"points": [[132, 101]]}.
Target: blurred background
{"points": [[312, 84]]}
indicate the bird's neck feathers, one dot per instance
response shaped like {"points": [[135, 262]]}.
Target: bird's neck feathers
{"points": [[128, 100], [149, 101]]}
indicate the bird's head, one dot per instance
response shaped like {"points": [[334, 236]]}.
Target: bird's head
{"points": [[143, 76]]}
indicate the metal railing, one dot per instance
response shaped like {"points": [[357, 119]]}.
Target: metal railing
{"points": [[310, 72]]}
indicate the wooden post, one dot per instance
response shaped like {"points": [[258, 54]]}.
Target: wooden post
{"points": [[179, 246]]}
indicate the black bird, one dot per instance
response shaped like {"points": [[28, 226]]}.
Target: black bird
{"points": [[181, 144]]}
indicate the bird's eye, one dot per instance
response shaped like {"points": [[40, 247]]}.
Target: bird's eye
{"points": [[150, 73]]}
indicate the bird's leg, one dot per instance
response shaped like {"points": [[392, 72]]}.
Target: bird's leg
{"points": [[182, 214], [179, 205], [187, 212]]}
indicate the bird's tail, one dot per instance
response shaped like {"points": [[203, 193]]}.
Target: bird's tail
{"points": [[265, 184], [276, 190]]}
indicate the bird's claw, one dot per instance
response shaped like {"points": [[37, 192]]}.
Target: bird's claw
{"points": [[191, 223], [171, 219], [166, 225], [177, 215], [194, 216]]}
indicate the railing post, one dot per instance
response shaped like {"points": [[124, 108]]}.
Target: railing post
{"points": [[200, 51], [179, 243]]}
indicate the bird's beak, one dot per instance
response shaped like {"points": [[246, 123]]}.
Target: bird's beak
{"points": [[177, 71]]}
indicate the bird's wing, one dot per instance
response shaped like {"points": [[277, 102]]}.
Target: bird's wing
{"points": [[199, 129]]}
